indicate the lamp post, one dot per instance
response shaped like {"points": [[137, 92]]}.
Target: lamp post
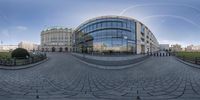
{"points": [[126, 38], [83, 49]]}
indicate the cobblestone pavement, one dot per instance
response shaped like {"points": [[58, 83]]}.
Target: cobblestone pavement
{"points": [[63, 77]]}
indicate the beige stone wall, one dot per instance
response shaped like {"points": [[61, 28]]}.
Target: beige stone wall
{"points": [[57, 38], [138, 34], [150, 43]]}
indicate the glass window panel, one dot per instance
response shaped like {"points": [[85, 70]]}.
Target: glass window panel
{"points": [[99, 25], [124, 34], [114, 25], [124, 25], [118, 24], [128, 24], [92, 27], [114, 33], [103, 25], [87, 29], [116, 42], [95, 26], [142, 28], [109, 24], [103, 34]]}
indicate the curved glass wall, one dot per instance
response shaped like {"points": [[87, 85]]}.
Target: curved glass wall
{"points": [[106, 36]]}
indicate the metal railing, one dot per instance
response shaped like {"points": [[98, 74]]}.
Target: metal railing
{"points": [[194, 60], [18, 62]]}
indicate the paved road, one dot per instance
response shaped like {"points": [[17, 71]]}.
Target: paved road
{"points": [[63, 77]]}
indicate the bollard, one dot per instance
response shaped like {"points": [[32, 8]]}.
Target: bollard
{"points": [[183, 57], [14, 61], [163, 54], [196, 60], [138, 98], [32, 59], [160, 54]]}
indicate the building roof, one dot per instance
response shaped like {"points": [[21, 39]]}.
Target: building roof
{"points": [[56, 27]]}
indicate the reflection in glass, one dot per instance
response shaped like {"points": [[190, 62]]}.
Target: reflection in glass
{"points": [[107, 36]]}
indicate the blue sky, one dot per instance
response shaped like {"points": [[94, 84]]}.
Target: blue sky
{"points": [[171, 21]]}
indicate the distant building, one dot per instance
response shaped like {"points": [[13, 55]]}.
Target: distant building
{"points": [[56, 39], [164, 46], [28, 46], [192, 48], [176, 48], [36, 47], [6, 48], [189, 48]]}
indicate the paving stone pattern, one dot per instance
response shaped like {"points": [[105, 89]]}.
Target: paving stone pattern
{"points": [[63, 77]]}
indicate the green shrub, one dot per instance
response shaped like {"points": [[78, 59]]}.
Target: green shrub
{"points": [[5, 55], [190, 55], [20, 53]]}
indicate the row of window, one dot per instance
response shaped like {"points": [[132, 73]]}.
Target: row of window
{"points": [[46, 44], [143, 29], [116, 35], [55, 38], [113, 33], [56, 31], [114, 44], [55, 41], [149, 34], [108, 24], [48, 36], [108, 33]]}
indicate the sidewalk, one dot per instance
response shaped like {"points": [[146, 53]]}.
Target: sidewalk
{"points": [[109, 58], [111, 61]]}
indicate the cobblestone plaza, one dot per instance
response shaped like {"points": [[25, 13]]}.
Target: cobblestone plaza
{"points": [[64, 77], [99, 49]]}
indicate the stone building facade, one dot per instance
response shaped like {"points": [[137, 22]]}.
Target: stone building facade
{"points": [[56, 39]]}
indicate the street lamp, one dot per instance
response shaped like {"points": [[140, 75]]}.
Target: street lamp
{"points": [[126, 38]]}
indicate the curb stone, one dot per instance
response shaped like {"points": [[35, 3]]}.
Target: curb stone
{"points": [[187, 63], [111, 67]]}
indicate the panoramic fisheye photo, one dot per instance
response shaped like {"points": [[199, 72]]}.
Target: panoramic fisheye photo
{"points": [[99, 50]]}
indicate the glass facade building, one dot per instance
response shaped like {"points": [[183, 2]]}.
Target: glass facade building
{"points": [[106, 35]]}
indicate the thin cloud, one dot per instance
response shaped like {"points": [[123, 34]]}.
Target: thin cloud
{"points": [[156, 4], [173, 16], [5, 33], [21, 28]]}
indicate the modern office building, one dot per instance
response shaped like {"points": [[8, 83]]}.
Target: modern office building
{"points": [[114, 35], [56, 39]]}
